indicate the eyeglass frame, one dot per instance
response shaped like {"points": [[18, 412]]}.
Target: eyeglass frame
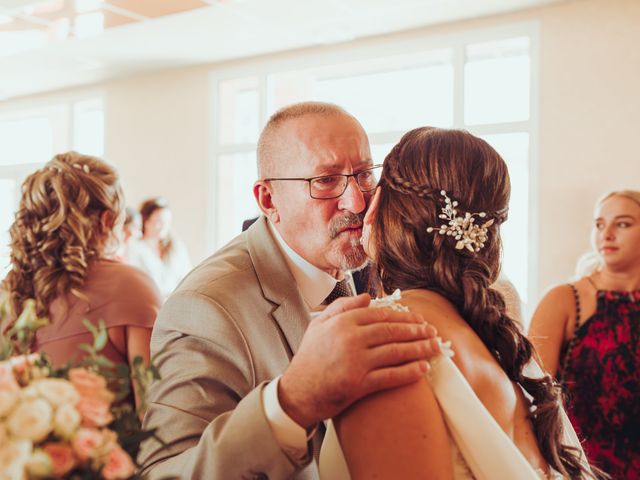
{"points": [[346, 185]]}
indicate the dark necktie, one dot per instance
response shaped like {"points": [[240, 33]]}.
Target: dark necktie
{"points": [[342, 289]]}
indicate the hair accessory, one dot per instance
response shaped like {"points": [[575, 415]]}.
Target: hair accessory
{"points": [[85, 168], [469, 234]]}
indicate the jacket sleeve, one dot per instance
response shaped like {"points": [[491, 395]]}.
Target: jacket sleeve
{"points": [[207, 408]]}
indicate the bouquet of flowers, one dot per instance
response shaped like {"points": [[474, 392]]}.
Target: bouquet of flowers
{"points": [[68, 422]]}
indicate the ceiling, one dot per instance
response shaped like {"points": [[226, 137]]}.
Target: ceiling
{"points": [[52, 44]]}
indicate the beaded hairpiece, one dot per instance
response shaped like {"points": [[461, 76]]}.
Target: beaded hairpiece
{"points": [[80, 166], [469, 234]]}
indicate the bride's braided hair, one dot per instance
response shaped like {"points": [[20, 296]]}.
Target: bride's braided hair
{"points": [[425, 161]]}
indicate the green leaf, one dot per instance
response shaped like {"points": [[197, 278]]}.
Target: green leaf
{"points": [[100, 341]]}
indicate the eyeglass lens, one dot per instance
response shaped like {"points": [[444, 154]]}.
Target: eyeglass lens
{"points": [[332, 186]]}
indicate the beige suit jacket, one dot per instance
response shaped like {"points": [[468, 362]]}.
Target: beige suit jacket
{"points": [[232, 324]]}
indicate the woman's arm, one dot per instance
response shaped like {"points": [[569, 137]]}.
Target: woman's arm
{"points": [[549, 325], [397, 433], [138, 344]]}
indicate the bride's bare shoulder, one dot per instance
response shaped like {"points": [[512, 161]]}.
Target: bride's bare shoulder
{"points": [[470, 354]]}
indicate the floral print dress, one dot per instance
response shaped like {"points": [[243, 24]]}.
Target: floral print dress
{"points": [[601, 376]]}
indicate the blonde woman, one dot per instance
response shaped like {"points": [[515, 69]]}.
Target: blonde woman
{"points": [[588, 335], [63, 234]]}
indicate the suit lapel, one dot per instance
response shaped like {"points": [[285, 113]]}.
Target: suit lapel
{"points": [[277, 283]]}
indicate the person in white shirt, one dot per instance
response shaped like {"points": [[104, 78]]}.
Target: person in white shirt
{"points": [[247, 373], [163, 257]]}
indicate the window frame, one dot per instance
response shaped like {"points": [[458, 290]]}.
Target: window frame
{"points": [[371, 49]]}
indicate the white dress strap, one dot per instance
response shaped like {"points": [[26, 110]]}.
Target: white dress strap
{"points": [[488, 451]]}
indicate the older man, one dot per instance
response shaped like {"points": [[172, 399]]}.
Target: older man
{"points": [[247, 375]]}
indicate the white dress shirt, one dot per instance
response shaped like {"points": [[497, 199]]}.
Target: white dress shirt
{"points": [[314, 286]]}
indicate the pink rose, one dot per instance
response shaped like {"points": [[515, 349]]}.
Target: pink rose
{"points": [[90, 384], [88, 444], [62, 458], [118, 465], [95, 412]]}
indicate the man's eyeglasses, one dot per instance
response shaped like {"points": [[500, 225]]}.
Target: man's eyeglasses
{"points": [[326, 187]]}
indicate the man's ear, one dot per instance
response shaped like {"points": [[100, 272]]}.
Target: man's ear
{"points": [[373, 208], [264, 196]]}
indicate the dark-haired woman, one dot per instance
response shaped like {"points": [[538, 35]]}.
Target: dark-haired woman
{"points": [[162, 257], [484, 411]]}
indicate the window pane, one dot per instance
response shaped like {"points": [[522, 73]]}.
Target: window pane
{"points": [[385, 94], [8, 201], [239, 113], [497, 82], [235, 201], [25, 141], [88, 127], [394, 100], [514, 149], [379, 152]]}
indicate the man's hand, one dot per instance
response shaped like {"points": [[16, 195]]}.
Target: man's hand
{"points": [[349, 351]]}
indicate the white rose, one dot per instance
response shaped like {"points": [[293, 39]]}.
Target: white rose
{"points": [[31, 420], [39, 464], [66, 421], [7, 402], [57, 391], [29, 393], [13, 458]]}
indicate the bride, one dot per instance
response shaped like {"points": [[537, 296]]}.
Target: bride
{"points": [[487, 412]]}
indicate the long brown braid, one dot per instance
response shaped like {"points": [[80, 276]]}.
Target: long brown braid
{"points": [[425, 161]]}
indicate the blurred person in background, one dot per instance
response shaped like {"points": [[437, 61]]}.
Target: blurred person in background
{"points": [[131, 233], [65, 231], [588, 335], [159, 254]]}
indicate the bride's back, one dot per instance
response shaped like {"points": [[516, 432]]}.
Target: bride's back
{"points": [[503, 399], [433, 225]]}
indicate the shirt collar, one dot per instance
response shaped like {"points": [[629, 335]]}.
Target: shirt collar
{"points": [[314, 284]]}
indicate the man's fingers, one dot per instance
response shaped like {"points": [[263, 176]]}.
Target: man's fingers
{"points": [[400, 353], [397, 376], [344, 304], [377, 315], [376, 334]]}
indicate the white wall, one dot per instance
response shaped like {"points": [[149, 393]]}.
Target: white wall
{"points": [[157, 126]]}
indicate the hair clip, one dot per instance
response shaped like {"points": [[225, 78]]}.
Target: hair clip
{"points": [[84, 167], [469, 234]]}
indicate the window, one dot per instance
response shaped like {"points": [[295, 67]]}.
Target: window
{"points": [[481, 82], [30, 137]]}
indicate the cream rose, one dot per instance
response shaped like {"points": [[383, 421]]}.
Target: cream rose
{"points": [[8, 401], [57, 391], [118, 465], [66, 421], [39, 464], [31, 420], [13, 458]]}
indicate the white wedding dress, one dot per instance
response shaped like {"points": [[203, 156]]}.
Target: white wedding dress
{"points": [[480, 448]]}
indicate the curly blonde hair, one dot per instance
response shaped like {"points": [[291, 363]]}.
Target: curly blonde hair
{"points": [[59, 228]]}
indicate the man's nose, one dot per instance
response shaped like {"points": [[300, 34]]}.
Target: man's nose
{"points": [[352, 199]]}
